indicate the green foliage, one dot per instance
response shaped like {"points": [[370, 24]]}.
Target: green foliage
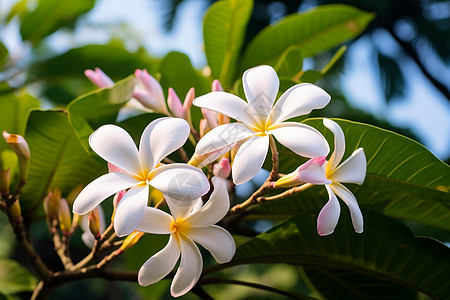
{"points": [[57, 159], [314, 31], [90, 111], [404, 180], [386, 251], [223, 31], [50, 15], [14, 278], [3, 54]]}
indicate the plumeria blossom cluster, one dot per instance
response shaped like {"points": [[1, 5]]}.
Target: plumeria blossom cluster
{"points": [[234, 136]]}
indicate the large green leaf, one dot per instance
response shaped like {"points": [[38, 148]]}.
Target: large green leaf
{"points": [[223, 31], [14, 278], [90, 111], [50, 15], [386, 250], [57, 158], [404, 180], [316, 30]]}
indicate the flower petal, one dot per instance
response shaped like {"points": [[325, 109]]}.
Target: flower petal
{"points": [[189, 270], [303, 139], [249, 158], [260, 87], [313, 172], [160, 138], [353, 169], [131, 210], [339, 144], [100, 189], [215, 209], [299, 100], [180, 209], [329, 215], [160, 264], [155, 221], [212, 156], [223, 136], [180, 181], [349, 199], [116, 146], [227, 104], [216, 240]]}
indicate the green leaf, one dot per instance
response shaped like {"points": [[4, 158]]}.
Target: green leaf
{"points": [[314, 31], [404, 180], [3, 54], [57, 158], [290, 63], [90, 111], [50, 15], [386, 250], [224, 28], [14, 278], [311, 76], [177, 72]]}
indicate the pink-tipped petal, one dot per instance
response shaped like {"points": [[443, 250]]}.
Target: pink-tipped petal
{"points": [[299, 100], [190, 96], [160, 264], [148, 91], [216, 86], [216, 240], [349, 199], [99, 78], [303, 139], [223, 136], [100, 189], [226, 104], [155, 221], [249, 158], [131, 210], [353, 169], [116, 146], [160, 138], [261, 87], [175, 106], [339, 144], [329, 215], [312, 172], [189, 270]]}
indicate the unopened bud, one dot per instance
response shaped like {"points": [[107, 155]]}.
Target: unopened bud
{"points": [[52, 202], [131, 240], [216, 86], [64, 216], [99, 78], [222, 169], [117, 197], [20, 147], [175, 106], [74, 194], [5, 181], [149, 92], [16, 212], [94, 223]]}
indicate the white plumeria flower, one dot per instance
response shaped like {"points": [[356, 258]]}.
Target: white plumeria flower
{"points": [[186, 225], [332, 175], [260, 118], [139, 170], [87, 236]]}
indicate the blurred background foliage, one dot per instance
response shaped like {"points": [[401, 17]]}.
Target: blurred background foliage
{"points": [[45, 46]]}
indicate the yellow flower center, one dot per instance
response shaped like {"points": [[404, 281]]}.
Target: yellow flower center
{"points": [[180, 226]]}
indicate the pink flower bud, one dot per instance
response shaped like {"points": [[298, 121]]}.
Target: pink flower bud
{"points": [[216, 86], [190, 96], [175, 105], [211, 118], [222, 169], [149, 92], [99, 78]]}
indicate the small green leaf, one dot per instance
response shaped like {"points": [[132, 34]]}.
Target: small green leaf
{"points": [[50, 15], [57, 158], [14, 278], [386, 250], [404, 179], [314, 31], [290, 63], [90, 111], [311, 76], [223, 31]]}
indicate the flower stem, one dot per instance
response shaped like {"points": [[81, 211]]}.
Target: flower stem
{"points": [[287, 193]]}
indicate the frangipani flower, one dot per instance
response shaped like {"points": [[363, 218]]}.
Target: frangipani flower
{"points": [[260, 118], [332, 175], [187, 225], [139, 170]]}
